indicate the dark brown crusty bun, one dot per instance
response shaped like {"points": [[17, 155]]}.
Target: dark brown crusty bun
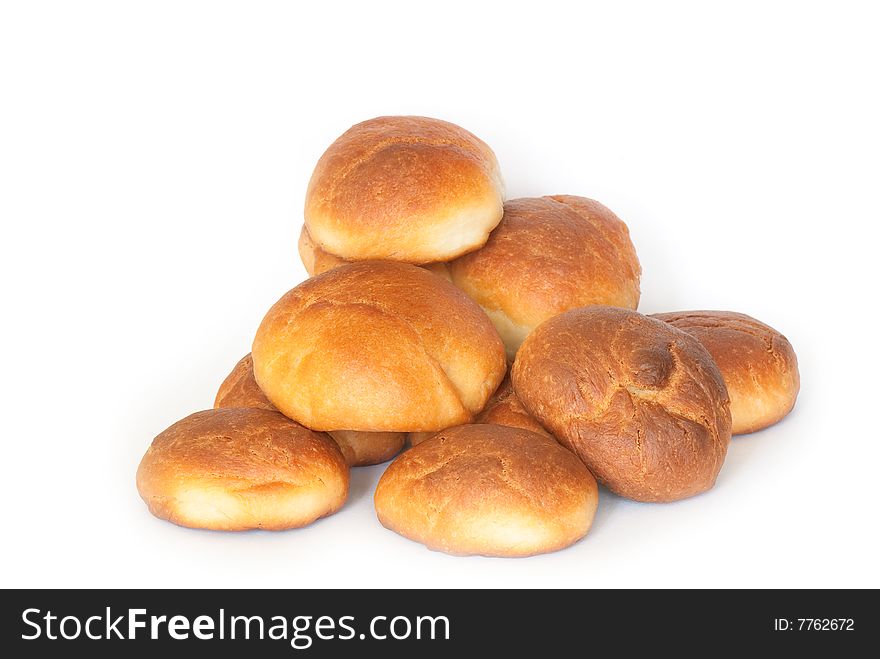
{"points": [[490, 490], [409, 189], [317, 261], [360, 449], [642, 403], [548, 255], [235, 469], [757, 363], [377, 346]]}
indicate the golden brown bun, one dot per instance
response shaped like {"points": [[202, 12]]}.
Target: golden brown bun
{"points": [[490, 490], [505, 409], [317, 261], [377, 346], [641, 402], [240, 389], [409, 189], [757, 363], [548, 255], [235, 469]]}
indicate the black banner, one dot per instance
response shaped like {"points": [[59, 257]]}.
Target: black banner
{"points": [[319, 623]]}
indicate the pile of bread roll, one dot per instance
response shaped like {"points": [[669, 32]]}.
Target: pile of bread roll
{"points": [[490, 348]]}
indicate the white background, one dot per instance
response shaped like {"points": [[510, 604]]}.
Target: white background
{"points": [[153, 163]]}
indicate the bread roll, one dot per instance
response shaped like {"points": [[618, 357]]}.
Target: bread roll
{"points": [[642, 403], [490, 490], [235, 469], [377, 346], [757, 363], [409, 189], [317, 261], [240, 389], [548, 255]]}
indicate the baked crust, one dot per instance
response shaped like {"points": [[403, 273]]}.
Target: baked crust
{"points": [[758, 364], [548, 255], [411, 189], [377, 346], [642, 403], [490, 490], [235, 469]]}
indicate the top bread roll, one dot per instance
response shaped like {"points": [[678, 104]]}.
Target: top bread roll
{"points": [[642, 403], [758, 364], [548, 255], [409, 189], [377, 346], [360, 449]]}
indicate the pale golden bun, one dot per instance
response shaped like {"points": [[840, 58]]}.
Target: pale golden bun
{"points": [[549, 255], [235, 469], [377, 346], [317, 261], [409, 189], [642, 403], [240, 389], [757, 363], [505, 409], [490, 490]]}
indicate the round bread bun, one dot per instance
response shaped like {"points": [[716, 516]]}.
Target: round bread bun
{"points": [[360, 449], [235, 469], [317, 261], [490, 490], [642, 403], [409, 189], [377, 346], [549, 255], [757, 363], [505, 409]]}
